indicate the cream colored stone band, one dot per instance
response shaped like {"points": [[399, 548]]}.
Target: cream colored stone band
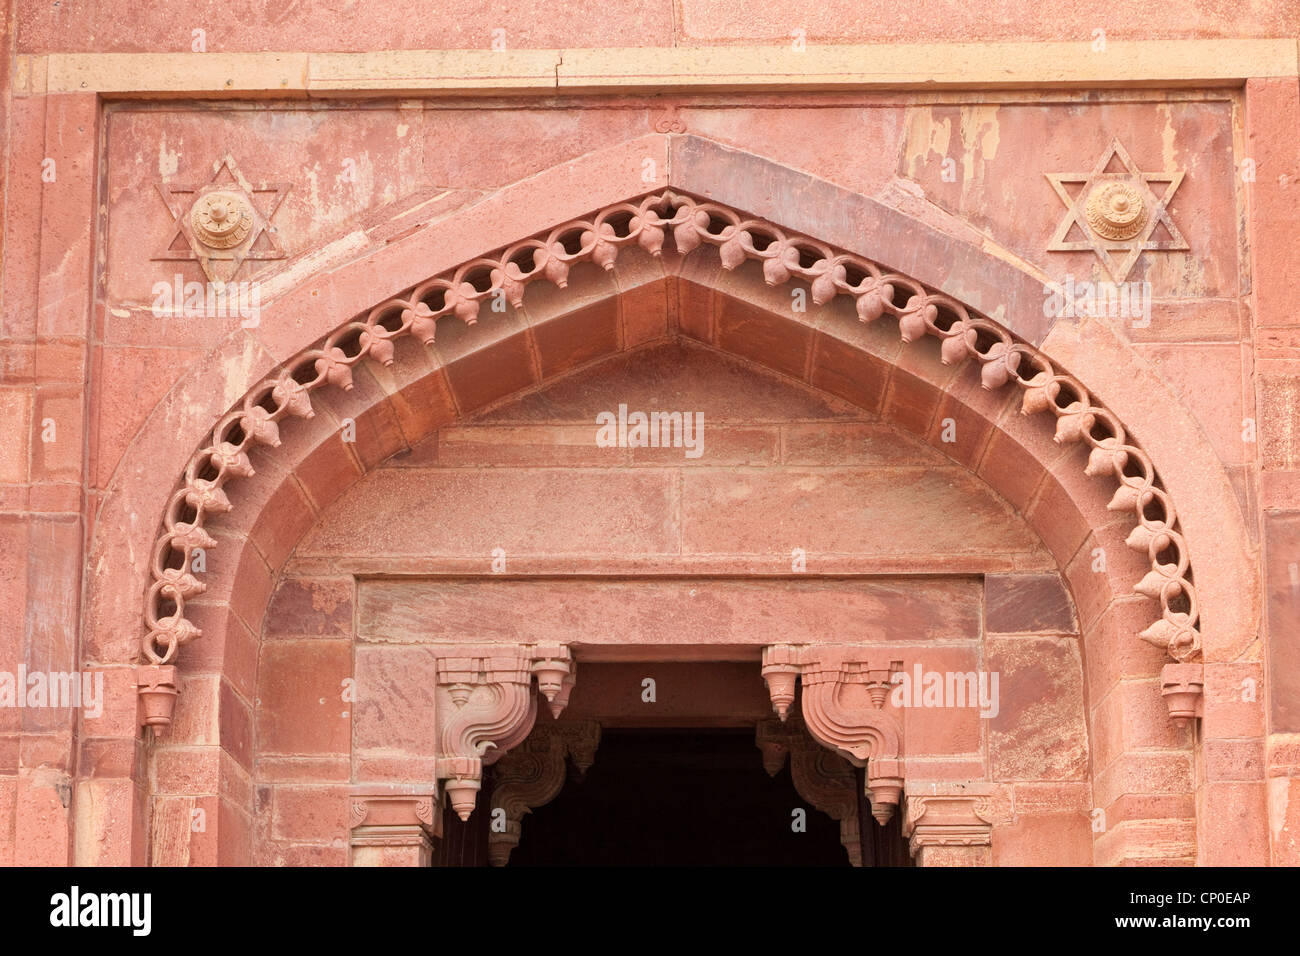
{"points": [[954, 66]]}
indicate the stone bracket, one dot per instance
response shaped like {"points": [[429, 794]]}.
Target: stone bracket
{"points": [[532, 775], [824, 779], [485, 705], [844, 694], [1183, 687]]}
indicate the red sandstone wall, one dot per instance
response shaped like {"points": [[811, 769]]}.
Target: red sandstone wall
{"points": [[782, 468], [79, 350], [468, 24], [346, 164]]}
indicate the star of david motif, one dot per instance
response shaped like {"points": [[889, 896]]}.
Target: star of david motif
{"points": [[1117, 212], [222, 223]]}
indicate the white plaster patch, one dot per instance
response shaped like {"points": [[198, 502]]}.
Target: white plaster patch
{"points": [[168, 160]]}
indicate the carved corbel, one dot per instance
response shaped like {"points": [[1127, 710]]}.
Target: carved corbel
{"points": [[580, 742], [485, 705], [393, 825], [824, 779], [949, 824], [533, 775], [1183, 687], [157, 689], [843, 698]]}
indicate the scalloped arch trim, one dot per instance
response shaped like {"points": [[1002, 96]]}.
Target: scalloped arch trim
{"points": [[647, 222]]}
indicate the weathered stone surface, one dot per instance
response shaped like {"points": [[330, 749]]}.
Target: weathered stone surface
{"points": [[677, 614], [1282, 552], [846, 511], [676, 376], [308, 607], [302, 709], [1040, 732], [865, 504], [1026, 604]]}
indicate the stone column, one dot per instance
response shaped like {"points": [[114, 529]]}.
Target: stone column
{"points": [[949, 824], [394, 825]]}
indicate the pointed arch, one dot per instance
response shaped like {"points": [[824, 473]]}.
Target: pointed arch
{"points": [[946, 296], [648, 222]]}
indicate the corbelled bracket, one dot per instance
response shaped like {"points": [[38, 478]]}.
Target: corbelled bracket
{"points": [[1183, 687], [532, 775], [844, 695], [824, 779], [485, 705]]}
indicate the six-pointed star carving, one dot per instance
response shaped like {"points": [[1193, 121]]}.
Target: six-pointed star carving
{"points": [[1117, 254], [236, 240]]}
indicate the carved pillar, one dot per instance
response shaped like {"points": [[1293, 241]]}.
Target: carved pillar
{"points": [[949, 824], [393, 825], [844, 695], [824, 779], [485, 705], [532, 775]]}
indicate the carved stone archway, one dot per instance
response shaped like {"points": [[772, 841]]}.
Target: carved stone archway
{"points": [[286, 381], [876, 291]]}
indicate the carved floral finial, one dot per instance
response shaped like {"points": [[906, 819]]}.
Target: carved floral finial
{"points": [[780, 668]]}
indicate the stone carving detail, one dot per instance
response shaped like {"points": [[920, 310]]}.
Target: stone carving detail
{"points": [[692, 223], [949, 815], [157, 688], [670, 120], [532, 775], [824, 779], [223, 222], [1117, 213], [221, 219], [843, 699], [1183, 687], [392, 824], [485, 705]]}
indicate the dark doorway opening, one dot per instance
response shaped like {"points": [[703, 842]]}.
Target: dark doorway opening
{"points": [[679, 797]]}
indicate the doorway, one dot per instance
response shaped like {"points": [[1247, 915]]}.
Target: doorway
{"points": [[677, 797]]}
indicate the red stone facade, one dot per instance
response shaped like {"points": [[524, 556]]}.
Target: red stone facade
{"points": [[323, 369]]}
